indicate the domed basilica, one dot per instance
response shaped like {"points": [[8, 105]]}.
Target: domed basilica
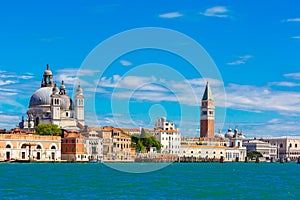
{"points": [[51, 105]]}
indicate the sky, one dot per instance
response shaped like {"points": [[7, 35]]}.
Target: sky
{"points": [[248, 52]]}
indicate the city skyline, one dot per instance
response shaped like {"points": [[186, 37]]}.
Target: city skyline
{"points": [[253, 44]]}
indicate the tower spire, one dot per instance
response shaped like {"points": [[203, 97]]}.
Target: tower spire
{"points": [[207, 93]]}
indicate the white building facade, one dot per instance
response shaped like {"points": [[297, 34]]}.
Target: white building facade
{"points": [[170, 140], [94, 146], [288, 147], [266, 149]]}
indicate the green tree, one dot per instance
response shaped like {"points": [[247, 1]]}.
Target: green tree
{"points": [[140, 147], [254, 154], [144, 140], [48, 129]]}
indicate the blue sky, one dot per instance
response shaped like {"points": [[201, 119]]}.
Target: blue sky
{"points": [[254, 44]]}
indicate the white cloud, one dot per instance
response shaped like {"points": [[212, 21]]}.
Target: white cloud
{"points": [[14, 75], [296, 37], [153, 89], [252, 98], [242, 60], [217, 11], [77, 72], [272, 128], [25, 77], [6, 82], [74, 76], [274, 120], [125, 63], [8, 121], [285, 84], [293, 20], [295, 76], [170, 15]]}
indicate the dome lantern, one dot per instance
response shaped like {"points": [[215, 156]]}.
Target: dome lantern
{"points": [[47, 78], [62, 88]]}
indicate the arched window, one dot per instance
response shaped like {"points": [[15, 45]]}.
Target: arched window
{"points": [[8, 146], [281, 145], [53, 147], [38, 147]]}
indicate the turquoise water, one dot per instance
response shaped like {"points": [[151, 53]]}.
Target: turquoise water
{"points": [[176, 181]]}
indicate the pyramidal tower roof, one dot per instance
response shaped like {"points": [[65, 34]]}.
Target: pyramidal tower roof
{"points": [[207, 93]]}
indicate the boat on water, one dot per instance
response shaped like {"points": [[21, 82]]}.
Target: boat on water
{"points": [[96, 161]]}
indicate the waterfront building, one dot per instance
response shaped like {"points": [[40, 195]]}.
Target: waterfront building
{"points": [[51, 105], [94, 145], [165, 132], [207, 114], [73, 148], [116, 144], [288, 147], [204, 149], [25, 147], [170, 140], [268, 150], [121, 145]]}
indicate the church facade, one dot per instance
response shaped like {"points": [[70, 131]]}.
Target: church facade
{"points": [[51, 105]]}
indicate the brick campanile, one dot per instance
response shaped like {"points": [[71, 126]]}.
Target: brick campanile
{"points": [[207, 116]]}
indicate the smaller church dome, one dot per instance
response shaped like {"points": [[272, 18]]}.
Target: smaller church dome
{"points": [[241, 136], [229, 133], [79, 90], [66, 103], [48, 72], [219, 135], [62, 86], [55, 89]]}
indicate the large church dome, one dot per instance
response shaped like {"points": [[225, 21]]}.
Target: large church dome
{"points": [[41, 97]]}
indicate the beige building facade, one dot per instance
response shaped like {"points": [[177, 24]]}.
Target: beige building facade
{"points": [[15, 147]]}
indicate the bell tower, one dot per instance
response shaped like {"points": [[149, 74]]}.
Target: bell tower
{"points": [[55, 105], [79, 105], [207, 116]]}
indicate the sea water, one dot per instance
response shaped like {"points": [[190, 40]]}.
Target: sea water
{"points": [[175, 181]]}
